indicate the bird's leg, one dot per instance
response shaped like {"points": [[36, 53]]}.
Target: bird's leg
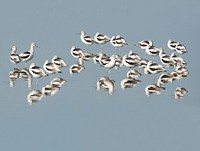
{"points": [[87, 49], [119, 51], [29, 80], [101, 47], [145, 55], [36, 83], [180, 82], [115, 50], [108, 72]]}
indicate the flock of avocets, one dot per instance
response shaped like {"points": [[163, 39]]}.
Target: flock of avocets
{"points": [[131, 61]]}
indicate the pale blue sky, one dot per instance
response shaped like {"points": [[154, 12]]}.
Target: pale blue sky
{"points": [[78, 118]]}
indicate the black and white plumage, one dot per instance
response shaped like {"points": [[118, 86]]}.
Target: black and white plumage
{"points": [[164, 78], [129, 83], [87, 39], [144, 44], [180, 92], [118, 41], [76, 68], [110, 85], [153, 89], [118, 61], [176, 46], [58, 82], [114, 42], [105, 83], [153, 68], [36, 71], [20, 73], [143, 63], [98, 57], [133, 55], [34, 96], [175, 76], [50, 67], [181, 71], [172, 44], [59, 62], [100, 83], [130, 62], [13, 75], [165, 59], [133, 74], [177, 60], [49, 90], [101, 38], [76, 52], [103, 59], [26, 75], [14, 58], [28, 55], [80, 61], [108, 62], [181, 49], [153, 51], [87, 56]]}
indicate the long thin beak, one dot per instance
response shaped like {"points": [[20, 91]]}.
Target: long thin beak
{"points": [[37, 46], [78, 33]]}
